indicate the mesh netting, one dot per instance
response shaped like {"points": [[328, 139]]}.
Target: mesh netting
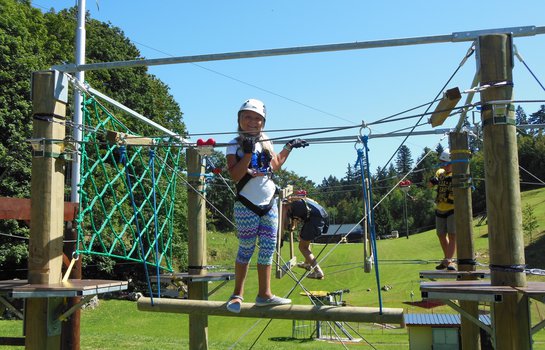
{"points": [[127, 192]]}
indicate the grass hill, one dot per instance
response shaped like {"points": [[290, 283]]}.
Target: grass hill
{"points": [[116, 324]]}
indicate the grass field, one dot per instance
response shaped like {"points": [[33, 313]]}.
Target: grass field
{"points": [[116, 324]]}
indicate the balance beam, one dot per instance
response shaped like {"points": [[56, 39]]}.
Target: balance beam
{"points": [[286, 312]]}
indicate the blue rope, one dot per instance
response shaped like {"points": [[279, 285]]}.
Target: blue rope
{"points": [[157, 259], [123, 160], [453, 161], [369, 209]]}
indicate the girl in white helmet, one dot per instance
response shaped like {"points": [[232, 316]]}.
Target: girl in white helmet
{"points": [[444, 211], [251, 161]]}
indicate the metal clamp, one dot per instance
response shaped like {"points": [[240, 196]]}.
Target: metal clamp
{"points": [[501, 114]]}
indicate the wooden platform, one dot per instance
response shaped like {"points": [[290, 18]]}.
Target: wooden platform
{"points": [[186, 277], [71, 288], [445, 274], [477, 290]]}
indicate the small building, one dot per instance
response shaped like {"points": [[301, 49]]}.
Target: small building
{"points": [[439, 331], [335, 233]]}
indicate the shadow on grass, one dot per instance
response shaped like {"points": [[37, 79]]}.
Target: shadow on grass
{"points": [[290, 339], [534, 253]]}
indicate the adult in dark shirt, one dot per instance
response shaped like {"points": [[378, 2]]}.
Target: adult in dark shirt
{"points": [[314, 222]]}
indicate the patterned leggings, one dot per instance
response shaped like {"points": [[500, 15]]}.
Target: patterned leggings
{"points": [[250, 226]]}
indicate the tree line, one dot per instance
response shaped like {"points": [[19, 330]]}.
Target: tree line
{"points": [[31, 41]]}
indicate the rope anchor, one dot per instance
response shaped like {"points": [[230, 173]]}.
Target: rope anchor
{"points": [[205, 148]]}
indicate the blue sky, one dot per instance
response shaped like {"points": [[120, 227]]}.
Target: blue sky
{"points": [[323, 89]]}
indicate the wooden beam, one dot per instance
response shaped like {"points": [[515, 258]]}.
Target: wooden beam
{"points": [[461, 187], [127, 139], [196, 242], [445, 106], [512, 322], [286, 312], [47, 192], [281, 268], [19, 209]]}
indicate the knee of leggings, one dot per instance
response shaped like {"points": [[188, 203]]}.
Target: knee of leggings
{"points": [[244, 257], [265, 257]]}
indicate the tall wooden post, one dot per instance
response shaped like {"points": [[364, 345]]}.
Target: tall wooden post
{"points": [[506, 243], [461, 187], [49, 97], [196, 217]]}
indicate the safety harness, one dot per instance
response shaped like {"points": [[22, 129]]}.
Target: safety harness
{"points": [[260, 163], [444, 195]]}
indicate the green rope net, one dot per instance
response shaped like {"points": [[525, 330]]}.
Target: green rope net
{"points": [[127, 193]]}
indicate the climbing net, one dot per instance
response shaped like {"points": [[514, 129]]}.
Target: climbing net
{"points": [[127, 191]]}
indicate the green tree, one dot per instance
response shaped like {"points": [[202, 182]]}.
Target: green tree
{"points": [[220, 193], [478, 195], [537, 118], [520, 116], [426, 167], [31, 41], [23, 50], [404, 160], [529, 222]]}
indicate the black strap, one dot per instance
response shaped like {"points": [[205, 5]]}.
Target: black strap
{"points": [[240, 185], [444, 214], [307, 208], [508, 268], [259, 210]]}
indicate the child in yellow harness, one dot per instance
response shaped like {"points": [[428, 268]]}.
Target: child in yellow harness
{"points": [[444, 211]]}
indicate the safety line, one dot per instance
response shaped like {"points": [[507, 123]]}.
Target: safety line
{"points": [[525, 65], [468, 54], [123, 160]]}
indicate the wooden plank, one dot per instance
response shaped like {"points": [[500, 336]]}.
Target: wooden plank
{"points": [[445, 274], [127, 139], [19, 209], [186, 277], [468, 287], [445, 106], [23, 289]]}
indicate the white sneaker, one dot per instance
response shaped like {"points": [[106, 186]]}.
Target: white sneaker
{"points": [[303, 265], [316, 275], [274, 300]]}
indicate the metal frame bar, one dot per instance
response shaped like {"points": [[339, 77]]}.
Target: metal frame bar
{"points": [[135, 114], [434, 39], [470, 317], [11, 308], [64, 316]]}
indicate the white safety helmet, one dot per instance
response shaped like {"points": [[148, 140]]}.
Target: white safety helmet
{"points": [[254, 105], [445, 155]]}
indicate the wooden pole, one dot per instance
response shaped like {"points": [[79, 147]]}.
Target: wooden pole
{"points": [[47, 210], [506, 243], [286, 312], [461, 187], [196, 217]]}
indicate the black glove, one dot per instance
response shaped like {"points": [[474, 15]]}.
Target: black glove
{"points": [[248, 145], [296, 143], [434, 180]]}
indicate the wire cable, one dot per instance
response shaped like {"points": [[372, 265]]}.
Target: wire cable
{"points": [[468, 54]]}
